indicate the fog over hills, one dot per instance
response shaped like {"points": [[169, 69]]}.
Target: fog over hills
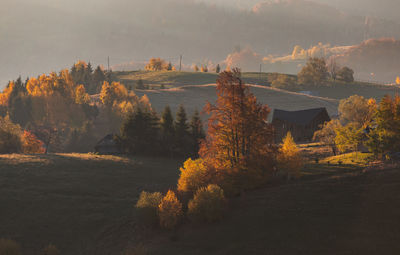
{"points": [[45, 35]]}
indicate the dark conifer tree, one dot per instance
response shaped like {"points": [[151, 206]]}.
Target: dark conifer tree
{"points": [[196, 132], [167, 131], [181, 132]]}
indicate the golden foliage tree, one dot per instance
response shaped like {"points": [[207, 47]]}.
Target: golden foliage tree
{"points": [[30, 144], [348, 137], [327, 134], [156, 64], [289, 158], [170, 211], [147, 205], [194, 174], [239, 140]]}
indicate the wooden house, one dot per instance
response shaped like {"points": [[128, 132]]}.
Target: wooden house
{"points": [[107, 146], [302, 124]]}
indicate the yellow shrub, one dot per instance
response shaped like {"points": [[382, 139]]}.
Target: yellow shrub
{"points": [[169, 210], [193, 175], [208, 204], [147, 206], [289, 158], [9, 247]]}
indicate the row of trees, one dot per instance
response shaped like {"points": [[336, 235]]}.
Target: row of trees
{"points": [[59, 111], [143, 132], [364, 122], [92, 80], [315, 73]]}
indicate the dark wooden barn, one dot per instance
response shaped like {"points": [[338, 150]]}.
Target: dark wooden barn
{"points": [[107, 146], [302, 124]]}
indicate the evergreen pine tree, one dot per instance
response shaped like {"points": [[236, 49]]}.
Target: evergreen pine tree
{"points": [[167, 131], [196, 132], [181, 131], [218, 69]]}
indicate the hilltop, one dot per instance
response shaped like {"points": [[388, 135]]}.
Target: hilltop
{"points": [[194, 89]]}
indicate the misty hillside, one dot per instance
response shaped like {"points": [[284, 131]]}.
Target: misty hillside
{"points": [[44, 35]]}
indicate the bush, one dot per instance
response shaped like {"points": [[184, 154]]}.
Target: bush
{"points": [[147, 206], [9, 247], [169, 211], [194, 175], [51, 250], [289, 158], [208, 204]]}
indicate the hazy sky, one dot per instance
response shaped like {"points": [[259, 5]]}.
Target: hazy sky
{"points": [[46, 35]]}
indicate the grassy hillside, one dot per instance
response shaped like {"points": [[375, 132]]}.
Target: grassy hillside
{"points": [[68, 199], [334, 90], [83, 204], [195, 97], [176, 79]]}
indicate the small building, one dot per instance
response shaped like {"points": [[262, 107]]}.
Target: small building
{"points": [[302, 124], [107, 146]]}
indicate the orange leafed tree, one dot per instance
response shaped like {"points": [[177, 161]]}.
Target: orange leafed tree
{"points": [[30, 144], [238, 137]]}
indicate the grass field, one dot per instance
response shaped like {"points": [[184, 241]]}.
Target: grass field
{"points": [[83, 203], [69, 199], [196, 96], [171, 79]]}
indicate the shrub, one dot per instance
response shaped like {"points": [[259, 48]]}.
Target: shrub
{"points": [[169, 210], [208, 204], [51, 250], [9, 247], [194, 175], [30, 143], [147, 206], [289, 158]]}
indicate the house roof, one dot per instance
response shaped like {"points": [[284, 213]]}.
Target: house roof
{"points": [[302, 117]]}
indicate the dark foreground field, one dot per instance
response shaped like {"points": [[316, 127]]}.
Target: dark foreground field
{"points": [[84, 205]]}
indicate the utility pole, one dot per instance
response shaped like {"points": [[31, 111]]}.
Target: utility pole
{"points": [[108, 63], [260, 71], [180, 63]]}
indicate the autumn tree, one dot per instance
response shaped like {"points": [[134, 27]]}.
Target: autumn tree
{"points": [[384, 137], [327, 134], [348, 137], [284, 81], [195, 68], [289, 157], [31, 144], [333, 68], [314, 73], [157, 64], [10, 136], [356, 109], [239, 141], [9, 247], [204, 69], [194, 175], [170, 211], [345, 74]]}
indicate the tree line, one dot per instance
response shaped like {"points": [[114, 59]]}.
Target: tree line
{"points": [[144, 133]]}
